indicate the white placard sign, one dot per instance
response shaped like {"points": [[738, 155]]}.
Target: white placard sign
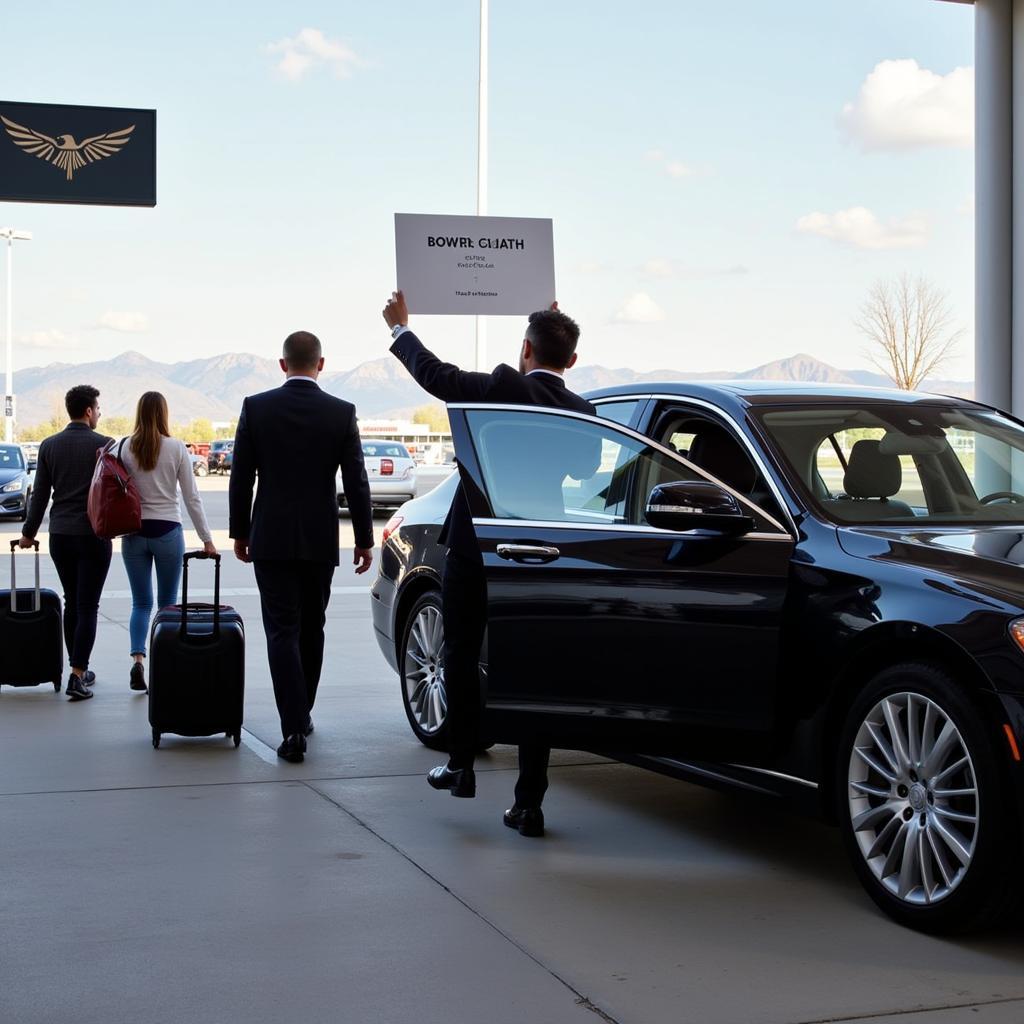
{"points": [[475, 265]]}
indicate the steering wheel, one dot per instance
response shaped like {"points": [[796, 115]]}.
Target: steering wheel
{"points": [[1011, 496]]}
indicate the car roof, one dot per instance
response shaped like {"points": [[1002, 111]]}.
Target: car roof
{"points": [[745, 393]]}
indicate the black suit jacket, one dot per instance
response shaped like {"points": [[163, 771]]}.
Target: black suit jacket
{"points": [[294, 438], [502, 386]]}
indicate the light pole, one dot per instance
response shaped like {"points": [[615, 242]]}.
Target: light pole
{"points": [[481, 167], [12, 235]]}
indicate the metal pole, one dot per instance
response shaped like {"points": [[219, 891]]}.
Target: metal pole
{"points": [[481, 167], [9, 389]]}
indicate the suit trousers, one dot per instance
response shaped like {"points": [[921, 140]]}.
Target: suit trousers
{"points": [[294, 596], [464, 612]]}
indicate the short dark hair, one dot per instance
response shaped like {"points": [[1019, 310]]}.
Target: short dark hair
{"points": [[80, 399], [553, 336], [302, 351]]}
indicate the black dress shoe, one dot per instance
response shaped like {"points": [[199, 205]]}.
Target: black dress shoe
{"points": [[528, 821], [308, 729], [76, 689], [137, 679], [89, 678], [458, 781], [293, 749]]}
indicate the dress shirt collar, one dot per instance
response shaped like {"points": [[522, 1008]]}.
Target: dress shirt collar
{"points": [[299, 376]]}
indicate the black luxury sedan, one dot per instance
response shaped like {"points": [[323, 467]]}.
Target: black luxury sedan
{"points": [[807, 592], [15, 482]]}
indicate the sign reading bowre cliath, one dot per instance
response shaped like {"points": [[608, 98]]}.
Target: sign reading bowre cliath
{"points": [[55, 153]]}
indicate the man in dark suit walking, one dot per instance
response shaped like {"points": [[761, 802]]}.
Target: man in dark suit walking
{"points": [[294, 438], [548, 350]]}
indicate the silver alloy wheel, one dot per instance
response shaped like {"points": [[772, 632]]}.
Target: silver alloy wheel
{"points": [[424, 670], [913, 798]]}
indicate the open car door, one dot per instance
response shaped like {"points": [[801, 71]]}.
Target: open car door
{"points": [[606, 631]]}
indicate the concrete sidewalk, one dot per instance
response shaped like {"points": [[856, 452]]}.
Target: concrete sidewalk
{"points": [[202, 883]]}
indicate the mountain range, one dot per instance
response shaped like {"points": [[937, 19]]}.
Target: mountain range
{"points": [[214, 387]]}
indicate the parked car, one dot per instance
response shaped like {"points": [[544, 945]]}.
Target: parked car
{"points": [[219, 459], [31, 452], [391, 472], [807, 592], [15, 482], [200, 464]]}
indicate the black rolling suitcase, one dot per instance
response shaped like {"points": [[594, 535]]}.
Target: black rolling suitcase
{"points": [[31, 641], [197, 666]]}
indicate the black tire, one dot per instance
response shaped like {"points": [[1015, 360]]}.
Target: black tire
{"points": [[434, 739], [156, 739], [985, 887]]}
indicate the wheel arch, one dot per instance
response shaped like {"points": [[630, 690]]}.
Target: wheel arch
{"points": [[888, 643]]}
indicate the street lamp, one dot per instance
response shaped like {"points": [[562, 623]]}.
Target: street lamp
{"points": [[12, 235], [481, 165]]}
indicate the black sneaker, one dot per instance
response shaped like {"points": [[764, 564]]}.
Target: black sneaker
{"points": [[137, 680], [77, 690], [89, 678]]}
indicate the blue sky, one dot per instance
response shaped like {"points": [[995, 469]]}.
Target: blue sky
{"points": [[695, 158]]}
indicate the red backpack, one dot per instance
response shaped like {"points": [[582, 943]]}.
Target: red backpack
{"points": [[115, 508]]}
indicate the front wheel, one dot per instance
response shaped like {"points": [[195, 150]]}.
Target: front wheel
{"points": [[421, 670], [924, 813]]}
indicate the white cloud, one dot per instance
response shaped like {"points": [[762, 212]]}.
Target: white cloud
{"points": [[130, 323], [901, 105], [310, 48], [639, 308], [672, 167], [860, 228], [592, 267], [48, 339]]}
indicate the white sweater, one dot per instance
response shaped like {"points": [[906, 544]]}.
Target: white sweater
{"points": [[158, 487]]}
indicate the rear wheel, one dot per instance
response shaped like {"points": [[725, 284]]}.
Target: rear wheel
{"points": [[421, 671], [926, 818]]}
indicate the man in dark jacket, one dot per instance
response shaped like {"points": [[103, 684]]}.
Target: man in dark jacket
{"points": [[548, 350], [294, 438], [64, 469]]}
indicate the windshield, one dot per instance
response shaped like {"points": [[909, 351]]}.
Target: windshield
{"points": [[881, 463], [10, 457], [387, 449], [222, 446]]}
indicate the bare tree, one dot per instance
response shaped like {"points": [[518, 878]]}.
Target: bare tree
{"points": [[910, 326]]}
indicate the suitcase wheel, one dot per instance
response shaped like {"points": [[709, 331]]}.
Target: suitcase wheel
{"points": [[237, 738], [56, 685], [156, 738]]}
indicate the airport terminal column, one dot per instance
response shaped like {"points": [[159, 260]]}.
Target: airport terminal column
{"points": [[12, 235]]}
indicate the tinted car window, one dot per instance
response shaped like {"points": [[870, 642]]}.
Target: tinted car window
{"points": [[896, 462], [10, 457], [618, 412], [543, 466]]}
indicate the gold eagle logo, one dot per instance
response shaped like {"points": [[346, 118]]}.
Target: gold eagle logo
{"points": [[63, 151]]}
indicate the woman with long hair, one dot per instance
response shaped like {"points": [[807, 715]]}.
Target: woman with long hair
{"points": [[160, 465]]}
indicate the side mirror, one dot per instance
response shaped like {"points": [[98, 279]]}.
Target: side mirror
{"points": [[697, 505]]}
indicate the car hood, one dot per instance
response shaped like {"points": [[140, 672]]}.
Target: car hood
{"points": [[7, 475], [989, 556]]}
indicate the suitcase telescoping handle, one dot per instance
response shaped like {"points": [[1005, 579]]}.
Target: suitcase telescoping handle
{"points": [[38, 602], [216, 589]]}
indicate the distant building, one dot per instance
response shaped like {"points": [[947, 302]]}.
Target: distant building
{"points": [[424, 444]]}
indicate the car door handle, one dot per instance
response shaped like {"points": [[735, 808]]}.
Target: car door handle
{"points": [[528, 554]]}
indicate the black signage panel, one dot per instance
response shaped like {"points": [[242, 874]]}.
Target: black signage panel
{"points": [[54, 153]]}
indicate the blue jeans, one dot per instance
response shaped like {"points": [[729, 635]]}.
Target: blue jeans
{"points": [[140, 554]]}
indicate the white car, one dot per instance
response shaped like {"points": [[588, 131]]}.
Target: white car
{"points": [[391, 472]]}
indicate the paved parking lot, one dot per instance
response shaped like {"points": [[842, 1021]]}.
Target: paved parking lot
{"points": [[202, 883]]}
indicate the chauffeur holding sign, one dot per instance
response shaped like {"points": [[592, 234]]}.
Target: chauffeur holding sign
{"points": [[548, 350]]}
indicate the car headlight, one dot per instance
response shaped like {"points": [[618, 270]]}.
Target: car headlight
{"points": [[14, 485]]}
